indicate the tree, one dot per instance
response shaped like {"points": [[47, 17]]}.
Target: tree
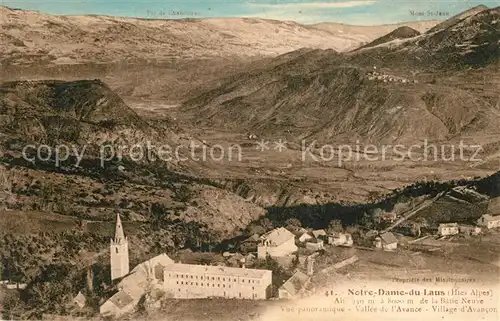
{"points": [[367, 221], [293, 224], [183, 194], [266, 224], [335, 226]]}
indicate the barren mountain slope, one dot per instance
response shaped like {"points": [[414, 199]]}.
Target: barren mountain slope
{"points": [[86, 115], [470, 42], [30, 36], [329, 99], [84, 112], [451, 21], [325, 94], [400, 33], [368, 33]]}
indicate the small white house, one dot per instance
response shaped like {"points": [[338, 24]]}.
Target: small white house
{"points": [[341, 239], [305, 237], [448, 229], [276, 243], [386, 241], [315, 245], [489, 221], [469, 229], [80, 300]]}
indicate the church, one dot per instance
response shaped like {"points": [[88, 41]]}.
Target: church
{"points": [[177, 280]]}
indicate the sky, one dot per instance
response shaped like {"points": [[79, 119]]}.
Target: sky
{"points": [[354, 12]]}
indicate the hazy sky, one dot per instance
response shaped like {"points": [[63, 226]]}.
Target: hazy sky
{"points": [[359, 12]]}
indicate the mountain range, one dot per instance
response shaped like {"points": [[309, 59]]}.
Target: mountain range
{"points": [[31, 36], [401, 87]]}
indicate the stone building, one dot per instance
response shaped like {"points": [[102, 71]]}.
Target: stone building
{"points": [[119, 252], [489, 221], [178, 280], [469, 229], [188, 281], [276, 243], [341, 239], [448, 229]]}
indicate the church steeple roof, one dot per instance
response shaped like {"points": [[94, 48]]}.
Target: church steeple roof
{"points": [[119, 235]]}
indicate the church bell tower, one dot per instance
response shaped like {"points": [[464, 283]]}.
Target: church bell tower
{"points": [[119, 252]]}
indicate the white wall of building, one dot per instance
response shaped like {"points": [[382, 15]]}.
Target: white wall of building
{"points": [[191, 285], [283, 249]]}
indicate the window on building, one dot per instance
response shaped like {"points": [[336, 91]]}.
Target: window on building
{"points": [[240, 294], [234, 280], [253, 288], [213, 278], [223, 279], [229, 285], [218, 285], [191, 283], [213, 285], [196, 283], [223, 285], [191, 276], [218, 279], [116, 249], [179, 290], [177, 282]]}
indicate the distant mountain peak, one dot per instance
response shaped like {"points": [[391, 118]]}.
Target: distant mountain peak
{"points": [[402, 32], [456, 18]]}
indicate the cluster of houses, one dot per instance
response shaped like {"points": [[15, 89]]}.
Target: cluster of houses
{"points": [[235, 280], [281, 242], [486, 221], [380, 76]]}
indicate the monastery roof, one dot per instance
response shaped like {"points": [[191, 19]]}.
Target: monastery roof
{"points": [[217, 270], [161, 259], [295, 283], [121, 299], [278, 236]]}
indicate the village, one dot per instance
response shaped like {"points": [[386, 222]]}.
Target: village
{"points": [[375, 75], [248, 269], [240, 274]]}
